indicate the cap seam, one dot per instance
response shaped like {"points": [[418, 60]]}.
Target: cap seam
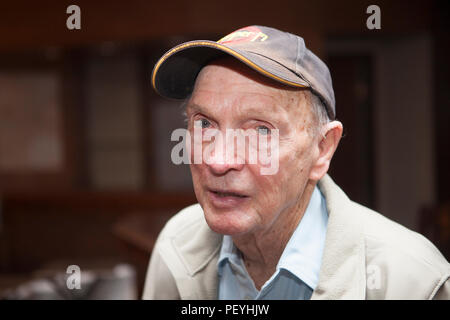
{"points": [[297, 73]]}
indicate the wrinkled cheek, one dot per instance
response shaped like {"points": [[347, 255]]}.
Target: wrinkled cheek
{"points": [[270, 192], [281, 189]]}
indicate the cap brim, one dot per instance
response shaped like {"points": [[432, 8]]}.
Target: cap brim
{"points": [[174, 74]]}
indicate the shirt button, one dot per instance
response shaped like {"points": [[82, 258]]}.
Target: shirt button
{"points": [[248, 298]]}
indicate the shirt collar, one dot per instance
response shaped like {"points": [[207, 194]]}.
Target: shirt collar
{"points": [[303, 253], [228, 252]]}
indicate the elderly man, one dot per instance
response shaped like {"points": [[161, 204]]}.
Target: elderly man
{"points": [[289, 234]]}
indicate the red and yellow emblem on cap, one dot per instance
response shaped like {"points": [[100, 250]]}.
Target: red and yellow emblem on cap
{"points": [[250, 34]]}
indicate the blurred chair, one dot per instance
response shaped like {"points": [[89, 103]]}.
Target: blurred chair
{"points": [[118, 283]]}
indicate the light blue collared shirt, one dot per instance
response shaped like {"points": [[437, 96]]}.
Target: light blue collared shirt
{"points": [[297, 271]]}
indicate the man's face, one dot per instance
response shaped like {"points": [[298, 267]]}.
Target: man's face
{"points": [[236, 198]]}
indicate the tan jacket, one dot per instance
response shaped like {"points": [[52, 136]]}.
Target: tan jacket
{"points": [[366, 256]]}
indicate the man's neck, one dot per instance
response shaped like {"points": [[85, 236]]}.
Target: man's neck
{"points": [[262, 250]]}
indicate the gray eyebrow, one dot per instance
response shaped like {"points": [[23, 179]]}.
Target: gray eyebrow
{"points": [[194, 106]]}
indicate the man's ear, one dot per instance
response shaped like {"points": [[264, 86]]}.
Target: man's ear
{"points": [[329, 140]]}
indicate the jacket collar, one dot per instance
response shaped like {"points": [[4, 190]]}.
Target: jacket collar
{"points": [[342, 273]]}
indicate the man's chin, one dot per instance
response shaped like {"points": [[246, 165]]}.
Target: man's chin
{"points": [[225, 230], [225, 225]]}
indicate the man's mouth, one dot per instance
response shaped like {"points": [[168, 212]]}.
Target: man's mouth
{"points": [[227, 199], [228, 194]]}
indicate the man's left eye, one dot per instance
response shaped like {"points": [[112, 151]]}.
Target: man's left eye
{"points": [[202, 123], [263, 130]]}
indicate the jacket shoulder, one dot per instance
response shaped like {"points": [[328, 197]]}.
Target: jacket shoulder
{"points": [[389, 234], [402, 256], [191, 215], [186, 250], [160, 282]]}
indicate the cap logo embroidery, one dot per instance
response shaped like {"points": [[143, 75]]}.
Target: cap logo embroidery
{"points": [[251, 34]]}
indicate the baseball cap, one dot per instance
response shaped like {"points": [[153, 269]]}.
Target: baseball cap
{"points": [[278, 55]]}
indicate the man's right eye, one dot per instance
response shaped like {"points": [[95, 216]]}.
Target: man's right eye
{"points": [[202, 123]]}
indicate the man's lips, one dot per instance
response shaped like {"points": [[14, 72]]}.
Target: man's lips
{"points": [[226, 199], [228, 193]]}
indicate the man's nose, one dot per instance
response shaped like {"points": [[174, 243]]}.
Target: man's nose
{"points": [[225, 159]]}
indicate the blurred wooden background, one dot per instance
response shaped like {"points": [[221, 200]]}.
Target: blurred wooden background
{"points": [[110, 185]]}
